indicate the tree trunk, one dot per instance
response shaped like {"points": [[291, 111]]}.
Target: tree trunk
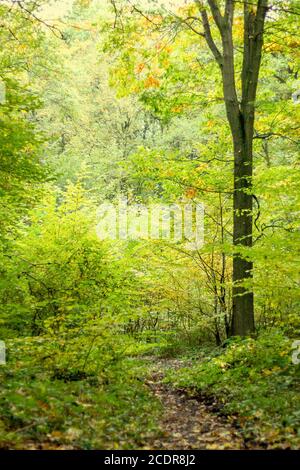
{"points": [[241, 124], [243, 298]]}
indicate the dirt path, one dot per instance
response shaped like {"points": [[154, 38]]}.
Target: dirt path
{"points": [[188, 423]]}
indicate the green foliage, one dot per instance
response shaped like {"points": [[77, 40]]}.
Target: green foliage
{"points": [[43, 410], [92, 112]]}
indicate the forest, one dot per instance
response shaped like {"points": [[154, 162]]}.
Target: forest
{"points": [[149, 225]]}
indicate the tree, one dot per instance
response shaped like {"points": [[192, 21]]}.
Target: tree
{"points": [[240, 115], [217, 19], [21, 168]]}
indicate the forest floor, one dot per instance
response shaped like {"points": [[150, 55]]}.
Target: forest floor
{"points": [[187, 421], [244, 396]]}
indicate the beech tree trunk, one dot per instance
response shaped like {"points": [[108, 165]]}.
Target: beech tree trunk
{"points": [[240, 115]]}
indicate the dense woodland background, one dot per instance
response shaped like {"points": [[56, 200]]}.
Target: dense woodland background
{"points": [[111, 98]]}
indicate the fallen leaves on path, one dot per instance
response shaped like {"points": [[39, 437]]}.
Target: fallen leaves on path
{"points": [[188, 423]]}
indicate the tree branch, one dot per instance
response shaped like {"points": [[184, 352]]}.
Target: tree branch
{"points": [[209, 39]]}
